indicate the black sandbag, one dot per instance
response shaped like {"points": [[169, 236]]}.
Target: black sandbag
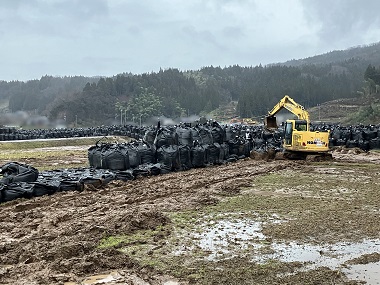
{"points": [[185, 157], [374, 143], [168, 155], [13, 191], [195, 135], [124, 175], [232, 158], [364, 145], [351, 143], [166, 136], [116, 157], [140, 171], [340, 142], [149, 136], [148, 169], [224, 152], [147, 153], [17, 172], [239, 146], [198, 156], [332, 142], [258, 143], [229, 134], [96, 177], [70, 185], [153, 168], [184, 136], [217, 133], [369, 134], [346, 134], [107, 177], [133, 156], [213, 153], [44, 188], [357, 135], [91, 155], [91, 180], [205, 134], [95, 155]]}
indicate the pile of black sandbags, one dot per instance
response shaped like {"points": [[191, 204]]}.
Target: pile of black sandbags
{"points": [[175, 148], [24, 181], [364, 137]]}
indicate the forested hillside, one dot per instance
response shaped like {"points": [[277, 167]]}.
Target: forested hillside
{"points": [[174, 93]]}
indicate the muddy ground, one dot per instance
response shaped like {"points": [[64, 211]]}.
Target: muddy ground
{"points": [[247, 222]]}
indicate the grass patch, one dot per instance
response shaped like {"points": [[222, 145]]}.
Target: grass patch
{"points": [[34, 152], [31, 144], [138, 237]]}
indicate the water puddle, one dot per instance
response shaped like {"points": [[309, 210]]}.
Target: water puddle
{"points": [[369, 273], [228, 238], [101, 279], [116, 278], [226, 235], [330, 255], [222, 238], [98, 279]]}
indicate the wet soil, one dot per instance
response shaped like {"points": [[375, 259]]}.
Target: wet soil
{"points": [[86, 237]]}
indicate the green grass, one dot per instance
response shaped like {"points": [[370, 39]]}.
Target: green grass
{"points": [[31, 144], [138, 237]]}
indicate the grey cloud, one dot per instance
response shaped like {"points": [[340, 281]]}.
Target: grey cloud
{"points": [[233, 32], [343, 20], [15, 4], [53, 18], [202, 37], [106, 37]]}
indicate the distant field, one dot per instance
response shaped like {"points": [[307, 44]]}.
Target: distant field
{"points": [[51, 153]]}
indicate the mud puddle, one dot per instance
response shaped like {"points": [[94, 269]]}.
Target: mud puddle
{"points": [[228, 238], [370, 273], [118, 278], [334, 256]]}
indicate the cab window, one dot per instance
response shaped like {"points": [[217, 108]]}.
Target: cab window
{"points": [[301, 126]]}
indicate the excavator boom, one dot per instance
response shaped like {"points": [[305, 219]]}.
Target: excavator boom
{"points": [[289, 104]]}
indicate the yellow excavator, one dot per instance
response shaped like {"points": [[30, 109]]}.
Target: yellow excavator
{"points": [[299, 142]]}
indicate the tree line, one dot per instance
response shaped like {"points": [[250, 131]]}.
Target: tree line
{"points": [[174, 93]]}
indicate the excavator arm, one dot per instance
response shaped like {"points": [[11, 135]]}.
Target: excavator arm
{"points": [[289, 104]]}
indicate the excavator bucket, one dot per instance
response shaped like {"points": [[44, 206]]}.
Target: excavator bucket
{"points": [[271, 122]]}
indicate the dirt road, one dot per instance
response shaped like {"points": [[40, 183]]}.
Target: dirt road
{"points": [[245, 222]]}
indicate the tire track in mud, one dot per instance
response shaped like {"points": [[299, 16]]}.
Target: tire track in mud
{"points": [[54, 239]]}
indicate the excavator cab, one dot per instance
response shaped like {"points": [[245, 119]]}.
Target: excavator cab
{"points": [[296, 126]]}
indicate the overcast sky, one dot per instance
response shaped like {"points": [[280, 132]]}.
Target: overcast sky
{"points": [[108, 37]]}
